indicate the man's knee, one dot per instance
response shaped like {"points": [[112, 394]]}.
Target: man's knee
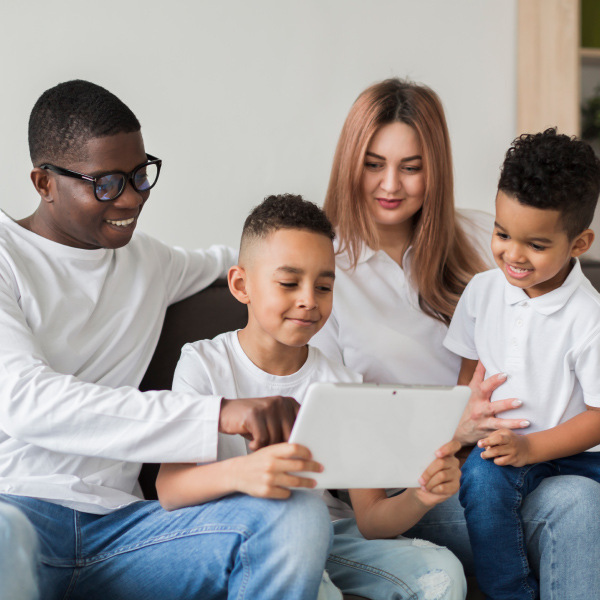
{"points": [[18, 554], [15, 529], [302, 520]]}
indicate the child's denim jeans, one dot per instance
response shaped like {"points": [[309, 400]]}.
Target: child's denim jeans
{"points": [[492, 496]]}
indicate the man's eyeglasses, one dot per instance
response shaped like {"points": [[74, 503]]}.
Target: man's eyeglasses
{"points": [[109, 186]]}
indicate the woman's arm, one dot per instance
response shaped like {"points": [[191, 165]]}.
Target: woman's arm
{"points": [[467, 370], [265, 473], [378, 516], [479, 418]]}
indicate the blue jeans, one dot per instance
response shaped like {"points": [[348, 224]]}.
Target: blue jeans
{"points": [[394, 569], [562, 532], [492, 497], [236, 547]]}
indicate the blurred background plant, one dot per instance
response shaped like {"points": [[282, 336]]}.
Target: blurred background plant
{"points": [[590, 117]]}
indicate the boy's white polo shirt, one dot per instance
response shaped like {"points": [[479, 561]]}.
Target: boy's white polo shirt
{"points": [[549, 346], [377, 327]]}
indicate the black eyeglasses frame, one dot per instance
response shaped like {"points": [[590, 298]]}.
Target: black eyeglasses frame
{"points": [[152, 160]]}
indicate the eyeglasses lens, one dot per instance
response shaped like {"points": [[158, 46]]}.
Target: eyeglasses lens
{"points": [[109, 186], [145, 177]]}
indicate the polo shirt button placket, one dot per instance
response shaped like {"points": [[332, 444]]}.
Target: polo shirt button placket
{"points": [[517, 337]]}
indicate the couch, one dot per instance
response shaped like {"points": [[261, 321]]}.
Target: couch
{"points": [[205, 315]]}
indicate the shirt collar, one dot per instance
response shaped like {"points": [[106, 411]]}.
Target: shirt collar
{"points": [[366, 254], [552, 301]]}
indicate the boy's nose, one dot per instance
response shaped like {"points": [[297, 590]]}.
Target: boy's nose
{"points": [[514, 253], [307, 299]]}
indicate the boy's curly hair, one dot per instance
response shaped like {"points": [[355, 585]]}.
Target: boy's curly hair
{"points": [[66, 116], [284, 211], [553, 171]]}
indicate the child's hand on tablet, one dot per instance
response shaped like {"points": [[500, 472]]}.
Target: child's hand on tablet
{"points": [[441, 478], [267, 473]]}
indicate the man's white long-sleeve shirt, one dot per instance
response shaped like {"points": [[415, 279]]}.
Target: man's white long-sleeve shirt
{"points": [[77, 331]]}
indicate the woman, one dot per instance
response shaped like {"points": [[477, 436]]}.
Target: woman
{"points": [[404, 257]]}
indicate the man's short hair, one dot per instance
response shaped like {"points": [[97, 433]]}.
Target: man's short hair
{"points": [[285, 211], [553, 171], [66, 116]]}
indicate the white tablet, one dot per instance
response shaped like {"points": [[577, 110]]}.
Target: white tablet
{"points": [[376, 436]]}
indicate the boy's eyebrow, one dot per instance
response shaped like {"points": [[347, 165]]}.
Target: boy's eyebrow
{"points": [[407, 159], [531, 239], [297, 271]]}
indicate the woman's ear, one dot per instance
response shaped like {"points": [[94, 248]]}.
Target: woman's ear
{"points": [[44, 184], [582, 243], [236, 278]]}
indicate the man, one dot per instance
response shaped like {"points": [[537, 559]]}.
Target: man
{"points": [[82, 302]]}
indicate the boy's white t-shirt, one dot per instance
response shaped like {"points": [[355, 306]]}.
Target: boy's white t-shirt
{"points": [[220, 366], [377, 327], [549, 346]]}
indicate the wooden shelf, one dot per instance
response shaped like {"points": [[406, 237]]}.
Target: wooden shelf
{"points": [[590, 56]]}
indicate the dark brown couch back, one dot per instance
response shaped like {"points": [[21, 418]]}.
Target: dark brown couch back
{"points": [[201, 316]]}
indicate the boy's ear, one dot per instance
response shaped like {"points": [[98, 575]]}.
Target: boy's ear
{"points": [[582, 243], [43, 183], [236, 278]]}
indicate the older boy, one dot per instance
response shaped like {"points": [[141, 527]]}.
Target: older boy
{"points": [[82, 302], [537, 318], [285, 275]]}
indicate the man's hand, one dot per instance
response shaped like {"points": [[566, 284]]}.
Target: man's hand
{"points": [[506, 448], [479, 418], [263, 421], [267, 472], [441, 478]]}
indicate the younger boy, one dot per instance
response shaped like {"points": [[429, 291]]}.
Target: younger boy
{"points": [[285, 276], [537, 318]]}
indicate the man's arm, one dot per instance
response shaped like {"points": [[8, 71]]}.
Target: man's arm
{"points": [[189, 271], [64, 414]]}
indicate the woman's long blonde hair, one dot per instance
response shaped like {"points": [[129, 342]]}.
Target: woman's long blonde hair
{"points": [[443, 259]]}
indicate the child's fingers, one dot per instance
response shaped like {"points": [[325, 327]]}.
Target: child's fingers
{"points": [[448, 487], [288, 480], [449, 449], [439, 464], [491, 440], [444, 476], [286, 450], [503, 461], [286, 457], [497, 438], [293, 465], [495, 451]]}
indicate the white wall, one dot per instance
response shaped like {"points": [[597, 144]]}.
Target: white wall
{"points": [[244, 98]]}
